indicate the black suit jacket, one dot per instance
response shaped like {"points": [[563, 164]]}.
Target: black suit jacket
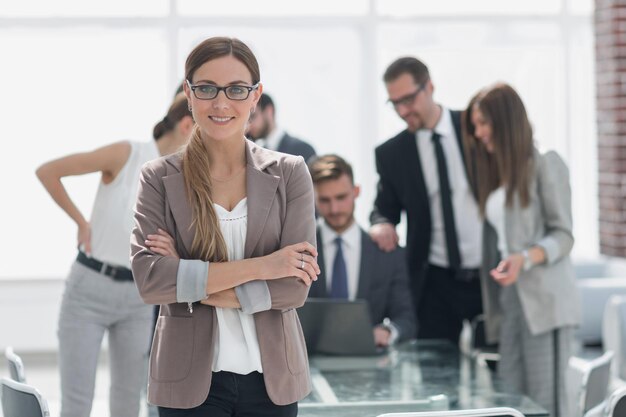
{"points": [[294, 146], [401, 187], [383, 282]]}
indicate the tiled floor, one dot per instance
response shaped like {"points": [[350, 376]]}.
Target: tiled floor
{"points": [[42, 372]]}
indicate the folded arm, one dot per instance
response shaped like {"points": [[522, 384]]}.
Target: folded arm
{"points": [[162, 278]]}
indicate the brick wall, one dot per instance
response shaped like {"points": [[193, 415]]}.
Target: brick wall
{"points": [[610, 36]]}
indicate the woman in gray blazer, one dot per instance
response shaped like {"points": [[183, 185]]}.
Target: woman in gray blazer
{"points": [[224, 241], [529, 293]]}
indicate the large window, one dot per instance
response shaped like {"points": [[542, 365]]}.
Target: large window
{"points": [[77, 75]]}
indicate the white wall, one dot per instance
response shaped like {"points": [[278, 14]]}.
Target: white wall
{"points": [[29, 311]]}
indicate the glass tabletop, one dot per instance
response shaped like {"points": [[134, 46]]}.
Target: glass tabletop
{"points": [[422, 375]]}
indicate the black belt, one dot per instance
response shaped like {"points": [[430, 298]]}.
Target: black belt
{"points": [[463, 275], [118, 273]]}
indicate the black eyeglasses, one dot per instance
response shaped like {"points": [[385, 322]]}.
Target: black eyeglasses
{"points": [[210, 91], [406, 100]]}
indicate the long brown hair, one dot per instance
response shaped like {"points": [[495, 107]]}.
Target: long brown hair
{"points": [[511, 163], [208, 242]]}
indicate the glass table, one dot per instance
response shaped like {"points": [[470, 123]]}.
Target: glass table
{"points": [[425, 375]]}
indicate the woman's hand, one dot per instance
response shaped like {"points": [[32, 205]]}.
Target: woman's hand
{"points": [[84, 238], [224, 299], [162, 243], [299, 260], [507, 271]]}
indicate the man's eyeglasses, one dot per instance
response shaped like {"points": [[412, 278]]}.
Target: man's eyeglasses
{"points": [[210, 91], [406, 100]]}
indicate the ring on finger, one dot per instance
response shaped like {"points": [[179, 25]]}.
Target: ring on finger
{"points": [[301, 263]]}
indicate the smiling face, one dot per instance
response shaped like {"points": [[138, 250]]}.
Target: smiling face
{"points": [[482, 128], [222, 118], [412, 102]]}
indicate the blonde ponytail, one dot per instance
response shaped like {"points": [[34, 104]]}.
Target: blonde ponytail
{"points": [[208, 242]]}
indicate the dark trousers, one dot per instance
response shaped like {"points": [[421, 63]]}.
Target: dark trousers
{"points": [[445, 300], [234, 395]]}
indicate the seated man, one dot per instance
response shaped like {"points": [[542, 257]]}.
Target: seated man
{"points": [[352, 264]]}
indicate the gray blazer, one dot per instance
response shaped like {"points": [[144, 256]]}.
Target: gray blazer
{"points": [[294, 146], [547, 292], [383, 282], [280, 213]]}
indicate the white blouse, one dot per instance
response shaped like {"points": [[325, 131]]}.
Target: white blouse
{"points": [[494, 211], [237, 347]]}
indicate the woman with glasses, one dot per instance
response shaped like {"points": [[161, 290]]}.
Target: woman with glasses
{"points": [[100, 295], [529, 293], [224, 242]]}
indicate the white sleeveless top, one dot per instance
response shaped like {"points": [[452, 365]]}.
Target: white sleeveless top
{"points": [[494, 211], [112, 215], [237, 346]]}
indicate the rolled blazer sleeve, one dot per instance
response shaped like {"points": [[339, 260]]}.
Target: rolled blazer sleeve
{"points": [[298, 226], [155, 275], [555, 195]]}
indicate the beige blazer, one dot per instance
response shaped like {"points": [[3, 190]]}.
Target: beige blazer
{"points": [[280, 212], [547, 292]]}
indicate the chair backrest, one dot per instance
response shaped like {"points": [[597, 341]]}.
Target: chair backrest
{"points": [[21, 400], [482, 412], [614, 333], [616, 404], [474, 337], [594, 293], [595, 382], [15, 365]]}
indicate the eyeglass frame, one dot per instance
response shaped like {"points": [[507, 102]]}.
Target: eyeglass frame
{"points": [[250, 89], [408, 99]]}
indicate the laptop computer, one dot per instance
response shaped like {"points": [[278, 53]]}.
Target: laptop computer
{"points": [[337, 327]]}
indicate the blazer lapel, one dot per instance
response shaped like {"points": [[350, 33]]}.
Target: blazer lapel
{"points": [[366, 267], [179, 205], [261, 191]]}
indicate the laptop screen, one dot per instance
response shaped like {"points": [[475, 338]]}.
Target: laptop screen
{"points": [[337, 327]]}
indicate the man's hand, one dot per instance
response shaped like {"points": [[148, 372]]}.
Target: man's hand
{"points": [[382, 336], [385, 236]]}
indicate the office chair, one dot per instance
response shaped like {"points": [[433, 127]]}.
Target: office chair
{"points": [[473, 342], [21, 400], [15, 365], [481, 412], [591, 379], [614, 333], [616, 406], [613, 406]]}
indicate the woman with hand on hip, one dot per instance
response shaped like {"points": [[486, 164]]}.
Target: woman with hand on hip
{"points": [[224, 241], [100, 294], [529, 292]]}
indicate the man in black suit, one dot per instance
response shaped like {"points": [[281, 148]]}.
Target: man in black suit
{"points": [[351, 264], [264, 130], [422, 171]]}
